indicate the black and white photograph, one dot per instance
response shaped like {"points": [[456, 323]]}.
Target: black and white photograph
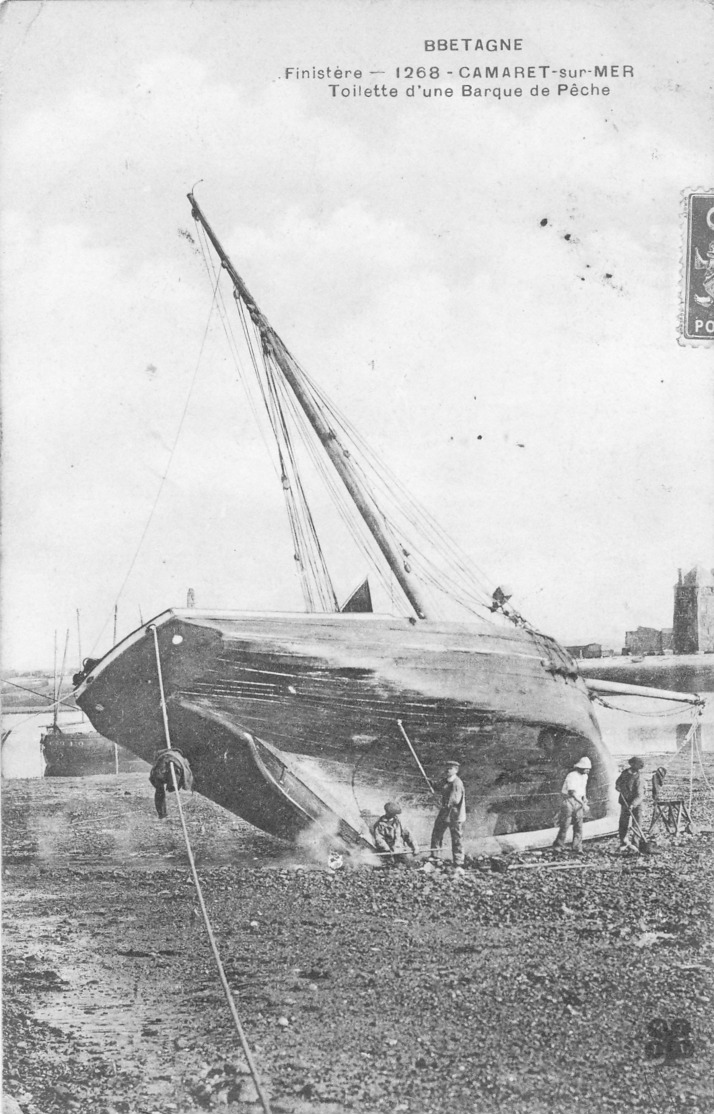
{"points": [[357, 383]]}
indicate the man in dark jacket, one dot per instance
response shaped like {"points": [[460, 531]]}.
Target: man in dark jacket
{"points": [[162, 780], [630, 786], [451, 815], [391, 838]]}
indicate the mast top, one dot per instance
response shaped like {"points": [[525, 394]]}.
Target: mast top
{"points": [[274, 349]]}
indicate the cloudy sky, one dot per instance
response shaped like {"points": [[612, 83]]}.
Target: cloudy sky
{"points": [[522, 378]]}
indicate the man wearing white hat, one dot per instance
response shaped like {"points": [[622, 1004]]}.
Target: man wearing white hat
{"points": [[574, 805]]}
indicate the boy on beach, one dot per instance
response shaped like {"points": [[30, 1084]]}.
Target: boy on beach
{"points": [[391, 838]]}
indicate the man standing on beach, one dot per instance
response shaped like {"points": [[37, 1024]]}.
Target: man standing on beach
{"points": [[391, 838], [451, 815], [630, 786], [574, 805]]}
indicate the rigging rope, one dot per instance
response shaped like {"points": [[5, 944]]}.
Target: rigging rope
{"points": [[420, 517], [199, 892], [305, 538], [164, 477], [355, 524], [665, 714], [317, 588], [407, 524], [681, 778], [53, 701]]}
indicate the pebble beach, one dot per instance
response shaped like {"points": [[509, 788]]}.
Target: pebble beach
{"points": [[528, 985]]}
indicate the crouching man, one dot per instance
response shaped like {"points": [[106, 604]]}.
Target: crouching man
{"points": [[161, 778], [391, 838]]}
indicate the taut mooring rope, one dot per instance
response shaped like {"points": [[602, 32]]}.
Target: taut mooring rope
{"points": [[216, 954]]}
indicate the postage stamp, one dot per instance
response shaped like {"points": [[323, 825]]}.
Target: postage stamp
{"points": [[697, 315]]}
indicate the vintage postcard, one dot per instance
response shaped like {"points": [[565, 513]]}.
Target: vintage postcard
{"points": [[357, 551]]}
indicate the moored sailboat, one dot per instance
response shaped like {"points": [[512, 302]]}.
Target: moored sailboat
{"points": [[80, 753]]}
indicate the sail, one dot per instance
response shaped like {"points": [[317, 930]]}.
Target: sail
{"points": [[360, 600]]}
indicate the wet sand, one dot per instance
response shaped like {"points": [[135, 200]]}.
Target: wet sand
{"points": [[368, 990]]}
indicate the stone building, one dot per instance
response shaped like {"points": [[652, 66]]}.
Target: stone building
{"points": [[587, 650], [647, 640], [694, 612]]}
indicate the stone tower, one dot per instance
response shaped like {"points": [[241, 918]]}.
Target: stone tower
{"points": [[694, 612]]}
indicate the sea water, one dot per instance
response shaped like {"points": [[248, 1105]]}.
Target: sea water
{"points": [[21, 751], [633, 726]]}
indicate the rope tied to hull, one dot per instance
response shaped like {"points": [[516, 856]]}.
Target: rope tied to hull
{"points": [[199, 893]]}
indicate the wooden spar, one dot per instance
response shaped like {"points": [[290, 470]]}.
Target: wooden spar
{"points": [[323, 430], [79, 649], [615, 688], [61, 677], [79, 641], [416, 757]]}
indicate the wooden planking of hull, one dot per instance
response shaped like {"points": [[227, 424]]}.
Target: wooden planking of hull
{"points": [[318, 698]]}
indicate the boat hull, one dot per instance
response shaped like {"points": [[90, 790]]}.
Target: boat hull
{"points": [[85, 754], [326, 695]]}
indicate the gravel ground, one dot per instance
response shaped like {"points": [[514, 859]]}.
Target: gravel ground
{"points": [[525, 990]]}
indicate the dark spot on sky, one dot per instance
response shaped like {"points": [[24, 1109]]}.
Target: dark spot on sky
{"points": [[607, 274], [544, 222], [582, 278], [479, 438], [588, 266], [567, 236]]}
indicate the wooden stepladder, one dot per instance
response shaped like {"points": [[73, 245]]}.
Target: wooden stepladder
{"points": [[675, 816]]}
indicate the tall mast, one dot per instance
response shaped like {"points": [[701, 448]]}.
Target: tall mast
{"points": [[61, 676], [54, 689], [274, 346]]}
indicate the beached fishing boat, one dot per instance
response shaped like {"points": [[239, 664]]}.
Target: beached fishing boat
{"points": [[310, 721]]}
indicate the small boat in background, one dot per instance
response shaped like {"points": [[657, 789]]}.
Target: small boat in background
{"points": [[84, 754], [80, 753]]}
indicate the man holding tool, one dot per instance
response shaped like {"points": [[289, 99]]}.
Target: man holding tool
{"points": [[451, 815], [574, 804], [391, 838], [630, 786]]}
